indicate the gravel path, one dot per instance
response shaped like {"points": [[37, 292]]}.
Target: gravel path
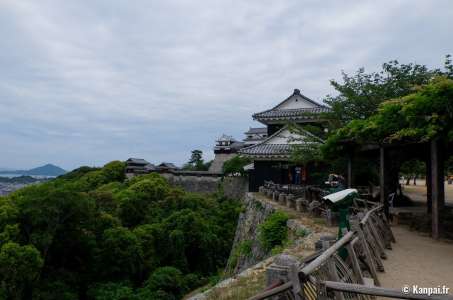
{"points": [[417, 259], [418, 192]]}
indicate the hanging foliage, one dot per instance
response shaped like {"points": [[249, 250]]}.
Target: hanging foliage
{"points": [[418, 117]]}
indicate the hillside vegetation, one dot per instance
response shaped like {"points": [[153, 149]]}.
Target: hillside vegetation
{"points": [[91, 235]]}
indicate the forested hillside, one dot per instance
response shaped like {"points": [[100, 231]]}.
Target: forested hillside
{"points": [[91, 235]]}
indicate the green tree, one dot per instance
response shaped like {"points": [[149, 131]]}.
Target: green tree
{"points": [[19, 269], [120, 255], [55, 289], [236, 165], [196, 162], [8, 213], [169, 280], [76, 227], [418, 117], [114, 171], [152, 239], [112, 291], [412, 169], [306, 147], [136, 201], [360, 95], [196, 157]]}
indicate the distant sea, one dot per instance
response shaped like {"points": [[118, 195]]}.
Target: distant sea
{"points": [[18, 175]]}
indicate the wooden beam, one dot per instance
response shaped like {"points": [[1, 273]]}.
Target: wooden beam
{"points": [[316, 263], [350, 171], [437, 186], [379, 291]]}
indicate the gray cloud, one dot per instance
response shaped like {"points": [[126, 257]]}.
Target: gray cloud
{"points": [[85, 82]]}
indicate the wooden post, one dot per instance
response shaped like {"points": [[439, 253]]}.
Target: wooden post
{"points": [[374, 234], [382, 179], [294, 278], [350, 171], [437, 186], [382, 230], [374, 251], [428, 181], [333, 273], [366, 250], [355, 263], [388, 228], [354, 259]]}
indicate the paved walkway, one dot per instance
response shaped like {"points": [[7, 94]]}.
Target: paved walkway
{"points": [[417, 259]]}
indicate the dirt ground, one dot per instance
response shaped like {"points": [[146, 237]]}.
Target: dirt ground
{"points": [[418, 192], [417, 259]]}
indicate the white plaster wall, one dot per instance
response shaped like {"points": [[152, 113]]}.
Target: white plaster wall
{"points": [[296, 101], [284, 137]]}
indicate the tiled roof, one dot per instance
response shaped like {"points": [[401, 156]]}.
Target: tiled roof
{"points": [[267, 150], [225, 137], [237, 145], [253, 139], [291, 114], [137, 161], [150, 167], [278, 145], [257, 130], [167, 165]]}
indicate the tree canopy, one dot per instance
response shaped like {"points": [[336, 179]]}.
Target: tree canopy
{"points": [[425, 114], [196, 162], [92, 235], [360, 95], [236, 165], [381, 107]]}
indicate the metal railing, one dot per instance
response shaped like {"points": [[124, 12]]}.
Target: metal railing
{"points": [[348, 268]]}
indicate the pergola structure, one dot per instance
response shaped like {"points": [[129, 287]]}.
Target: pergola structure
{"points": [[391, 156]]}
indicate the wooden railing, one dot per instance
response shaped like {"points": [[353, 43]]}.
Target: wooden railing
{"points": [[348, 268]]}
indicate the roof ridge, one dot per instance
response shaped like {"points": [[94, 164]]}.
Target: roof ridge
{"points": [[297, 92]]}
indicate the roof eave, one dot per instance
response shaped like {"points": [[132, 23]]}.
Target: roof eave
{"points": [[268, 156]]}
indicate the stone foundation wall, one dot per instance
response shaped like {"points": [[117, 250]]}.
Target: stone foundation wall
{"points": [[255, 213], [233, 187], [219, 160]]}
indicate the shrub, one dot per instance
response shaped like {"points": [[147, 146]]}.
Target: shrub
{"points": [[245, 248], [167, 279], [273, 232], [111, 291], [235, 165], [302, 232]]}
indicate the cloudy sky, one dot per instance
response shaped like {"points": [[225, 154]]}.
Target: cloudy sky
{"points": [[86, 82]]}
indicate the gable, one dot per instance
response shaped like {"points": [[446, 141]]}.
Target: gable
{"points": [[285, 136], [296, 101]]}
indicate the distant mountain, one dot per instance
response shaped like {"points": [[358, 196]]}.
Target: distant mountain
{"points": [[46, 170]]}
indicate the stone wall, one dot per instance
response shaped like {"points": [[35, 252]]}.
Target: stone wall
{"points": [[233, 187], [193, 183], [219, 160], [254, 215]]}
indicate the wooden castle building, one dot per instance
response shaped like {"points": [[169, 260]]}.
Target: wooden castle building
{"points": [[271, 155]]}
